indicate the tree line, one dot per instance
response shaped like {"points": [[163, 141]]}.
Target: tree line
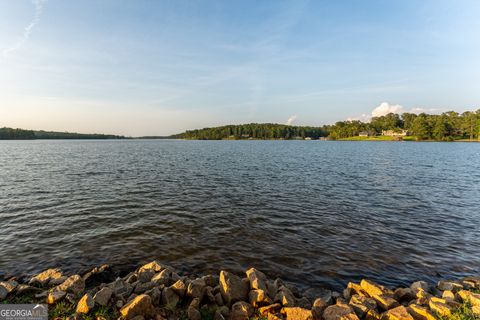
{"points": [[441, 127], [21, 134]]}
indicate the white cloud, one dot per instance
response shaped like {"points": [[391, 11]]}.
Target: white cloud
{"points": [[28, 29], [291, 120], [385, 108]]}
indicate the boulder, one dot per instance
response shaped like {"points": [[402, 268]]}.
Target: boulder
{"points": [[154, 265], [273, 308], [193, 313], [121, 288], [258, 298], [156, 295], [196, 288], [219, 299], [55, 296], [339, 312], [3, 292], [440, 307], [303, 302], [319, 306], [468, 296], [7, 287], [420, 313], [142, 287], [285, 297], [145, 275], [139, 306], [362, 304], [449, 285], [179, 287], [297, 313], [447, 294], [373, 315], [372, 288], [241, 310], [386, 302], [419, 285], [45, 277], [403, 294], [354, 289], [163, 277], [74, 284], [99, 275], [233, 288], [22, 289], [257, 279], [85, 304], [397, 313], [211, 280], [102, 297], [170, 298]]}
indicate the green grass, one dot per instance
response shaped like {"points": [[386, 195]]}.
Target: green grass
{"points": [[464, 312]]}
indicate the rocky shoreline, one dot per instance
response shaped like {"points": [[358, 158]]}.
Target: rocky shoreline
{"points": [[157, 291]]}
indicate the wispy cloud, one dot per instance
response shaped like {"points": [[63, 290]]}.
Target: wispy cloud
{"points": [[38, 4], [291, 120]]}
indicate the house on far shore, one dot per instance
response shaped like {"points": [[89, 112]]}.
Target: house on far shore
{"points": [[363, 134], [308, 138], [395, 133]]}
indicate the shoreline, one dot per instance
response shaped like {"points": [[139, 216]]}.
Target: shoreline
{"points": [[157, 291]]}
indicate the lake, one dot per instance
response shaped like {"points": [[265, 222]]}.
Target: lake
{"points": [[316, 213]]}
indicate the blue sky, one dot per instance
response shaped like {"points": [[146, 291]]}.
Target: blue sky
{"points": [[160, 67]]}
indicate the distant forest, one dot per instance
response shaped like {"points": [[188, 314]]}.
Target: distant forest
{"points": [[21, 134], [447, 126]]}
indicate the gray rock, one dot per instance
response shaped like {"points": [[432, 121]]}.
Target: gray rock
{"points": [[233, 288], [145, 275], [170, 298], [102, 297], [196, 288], [86, 304], [241, 311], [257, 279], [193, 313], [163, 277], [45, 277]]}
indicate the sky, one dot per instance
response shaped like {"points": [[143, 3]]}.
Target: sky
{"points": [[141, 67]]}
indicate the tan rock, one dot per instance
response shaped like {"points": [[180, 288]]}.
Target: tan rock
{"points": [[179, 287], [362, 304], [372, 288], [102, 297], [476, 310], [74, 284], [139, 306], [233, 288], [273, 308], [440, 308], [386, 302], [297, 313], [162, 278], [355, 289], [85, 304], [258, 298], [397, 313], [45, 277], [154, 265], [420, 313], [468, 296], [257, 279], [422, 294], [55, 296], [373, 315], [339, 312], [240, 310], [447, 294]]}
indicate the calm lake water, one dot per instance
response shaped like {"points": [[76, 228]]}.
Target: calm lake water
{"points": [[317, 213]]}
